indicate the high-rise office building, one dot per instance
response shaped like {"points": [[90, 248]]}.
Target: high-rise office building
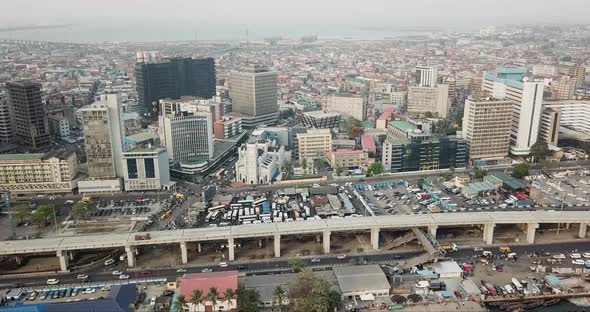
{"points": [[314, 143], [486, 128], [550, 122], [29, 118], [573, 70], [528, 106], [5, 121], [563, 88], [401, 155], [173, 78], [102, 124], [253, 93], [426, 76], [349, 105], [186, 134], [429, 99]]}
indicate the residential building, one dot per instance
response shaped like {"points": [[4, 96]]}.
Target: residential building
{"points": [[260, 162], [563, 88], [227, 127], [400, 155], [187, 135], [487, 124], [383, 121], [411, 129], [29, 119], [574, 114], [146, 168], [314, 143], [102, 124], [173, 78], [429, 99], [253, 92], [544, 70], [348, 159], [399, 98], [204, 282], [347, 105], [320, 119], [49, 173], [550, 123], [527, 110], [59, 126], [6, 134], [426, 76], [573, 70]]}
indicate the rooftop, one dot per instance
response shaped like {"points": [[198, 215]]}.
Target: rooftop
{"points": [[146, 149], [360, 278], [141, 136], [36, 156], [404, 125], [204, 281], [320, 113]]}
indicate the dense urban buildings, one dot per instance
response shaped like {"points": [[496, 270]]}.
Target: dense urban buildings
{"points": [[29, 118], [254, 95], [426, 76]]}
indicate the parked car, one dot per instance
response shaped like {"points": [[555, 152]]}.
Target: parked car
{"points": [[52, 281], [82, 276], [341, 257], [124, 276], [223, 264], [207, 270], [181, 270], [89, 291], [117, 272]]}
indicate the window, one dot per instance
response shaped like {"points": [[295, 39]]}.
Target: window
{"points": [[132, 168], [150, 171]]}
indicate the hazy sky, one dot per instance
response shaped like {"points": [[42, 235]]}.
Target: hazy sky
{"points": [[52, 11]]}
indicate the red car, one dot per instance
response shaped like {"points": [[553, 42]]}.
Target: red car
{"points": [[145, 273]]}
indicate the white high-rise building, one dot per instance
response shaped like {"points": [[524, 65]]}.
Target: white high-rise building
{"points": [[487, 125], [527, 111], [426, 76], [186, 134]]}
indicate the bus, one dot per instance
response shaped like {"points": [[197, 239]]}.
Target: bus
{"points": [[259, 202], [217, 208], [219, 174], [208, 217], [246, 202]]}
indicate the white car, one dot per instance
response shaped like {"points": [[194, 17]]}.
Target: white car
{"points": [[315, 260], [575, 256], [559, 256], [206, 270], [223, 264], [578, 262], [124, 276], [117, 272], [181, 270], [82, 276], [52, 281], [478, 249], [586, 255], [89, 291], [341, 257], [109, 262]]}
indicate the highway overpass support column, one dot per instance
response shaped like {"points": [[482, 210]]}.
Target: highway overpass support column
{"points": [[63, 260], [183, 253], [488, 233], [375, 238], [432, 230], [130, 256], [277, 243], [326, 242], [583, 229], [199, 247], [531, 229], [231, 250]]}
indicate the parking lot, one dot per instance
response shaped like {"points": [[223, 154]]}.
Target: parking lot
{"points": [[571, 187]]}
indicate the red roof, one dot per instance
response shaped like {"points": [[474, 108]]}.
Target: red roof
{"points": [[387, 114], [204, 281], [368, 143]]}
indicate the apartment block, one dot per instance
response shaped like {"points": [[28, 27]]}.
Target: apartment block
{"points": [[429, 99], [314, 143]]}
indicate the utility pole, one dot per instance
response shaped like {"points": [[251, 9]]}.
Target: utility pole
{"points": [[54, 218], [559, 224], [9, 210]]}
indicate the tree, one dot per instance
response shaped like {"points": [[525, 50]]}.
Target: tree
{"points": [[304, 164], [520, 171], [83, 210], [339, 171], [288, 167], [309, 292], [212, 296], [540, 150], [480, 173], [41, 215], [179, 303], [248, 300], [22, 212], [334, 300], [428, 115], [228, 295], [296, 264], [197, 297], [376, 168], [278, 297]]}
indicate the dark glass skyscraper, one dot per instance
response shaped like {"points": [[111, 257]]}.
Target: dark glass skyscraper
{"points": [[172, 79], [31, 127]]}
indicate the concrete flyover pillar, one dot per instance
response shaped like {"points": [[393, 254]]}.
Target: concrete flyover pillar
{"points": [[432, 230], [488, 233], [583, 229], [199, 247], [130, 256], [531, 230], [183, 253], [375, 238], [231, 250], [277, 243], [326, 242], [63, 260]]}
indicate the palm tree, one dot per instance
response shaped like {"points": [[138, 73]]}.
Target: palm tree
{"points": [[179, 303], [278, 297], [212, 296], [197, 298], [228, 295]]}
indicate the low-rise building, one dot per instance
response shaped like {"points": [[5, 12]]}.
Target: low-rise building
{"points": [[366, 281], [320, 119], [260, 162], [204, 282], [53, 172], [413, 130], [350, 159], [146, 168], [314, 143], [227, 127], [59, 126]]}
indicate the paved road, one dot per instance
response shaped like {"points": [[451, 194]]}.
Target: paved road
{"points": [[273, 266]]}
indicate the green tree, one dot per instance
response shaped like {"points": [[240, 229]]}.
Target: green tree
{"points": [[428, 115], [41, 215], [296, 264], [248, 300], [288, 168], [540, 150], [83, 210], [278, 297], [212, 296], [228, 295], [304, 164], [480, 173], [197, 297], [520, 171], [179, 303], [339, 171], [376, 168], [22, 213], [334, 300], [309, 292]]}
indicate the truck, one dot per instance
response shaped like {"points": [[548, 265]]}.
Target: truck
{"points": [[438, 286], [517, 284]]}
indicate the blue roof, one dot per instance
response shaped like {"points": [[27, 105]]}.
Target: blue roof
{"points": [[508, 82], [19, 307], [512, 70]]}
